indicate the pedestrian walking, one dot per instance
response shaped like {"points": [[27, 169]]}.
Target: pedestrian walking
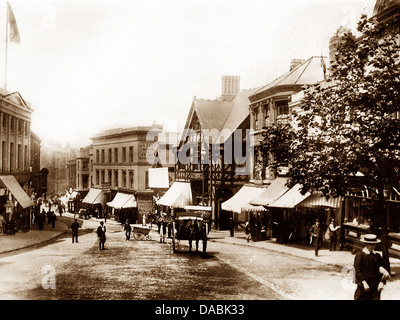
{"points": [[101, 234], [247, 231], [316, 236], [53, 219], [370, 274], [41, 220], [74, 228], [231, 226], [127, 229], [333, 235]]}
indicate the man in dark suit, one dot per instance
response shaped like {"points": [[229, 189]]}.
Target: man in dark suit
{"points": [[316, 235], [101, 233], [74, 228], [370, 275]]}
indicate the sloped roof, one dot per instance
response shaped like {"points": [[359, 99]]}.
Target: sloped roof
{"points": [[221, 114], [309, 72]]}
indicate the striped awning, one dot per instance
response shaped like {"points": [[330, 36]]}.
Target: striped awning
{"points": [[290, 199], [276, 189], [318, 200], [241, 199]]}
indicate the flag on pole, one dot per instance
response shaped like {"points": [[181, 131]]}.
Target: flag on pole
{"points": [[14, 33]]}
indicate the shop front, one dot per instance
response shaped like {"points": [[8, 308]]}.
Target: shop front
{"points": [[361, 216], [94, 203], [124, 207], [16, 206], [239, 206], [287, 221]]}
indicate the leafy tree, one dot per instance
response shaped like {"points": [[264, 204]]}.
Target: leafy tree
{"points": [[349, 124], [276, 144]]}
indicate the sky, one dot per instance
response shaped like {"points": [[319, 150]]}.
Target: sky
{"points": [[88, 66]]}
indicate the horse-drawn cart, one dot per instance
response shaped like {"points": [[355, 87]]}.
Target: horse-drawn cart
{"points": [[191, 225], [140, 233]]}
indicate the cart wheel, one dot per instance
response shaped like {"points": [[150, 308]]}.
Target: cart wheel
{"points": [[138, 236]]}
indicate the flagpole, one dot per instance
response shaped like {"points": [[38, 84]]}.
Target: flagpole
{"points": [[5, 75]]}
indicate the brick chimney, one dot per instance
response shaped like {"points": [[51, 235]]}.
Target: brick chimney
{"points": [[230, 87]]}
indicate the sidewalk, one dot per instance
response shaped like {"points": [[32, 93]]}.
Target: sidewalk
{"points": [[340, 259], [22, 240]]}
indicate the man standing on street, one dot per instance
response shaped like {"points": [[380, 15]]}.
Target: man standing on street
{"points": [[128, 229], [101, 233], [370, 275], [74, 228], [316, 235]]}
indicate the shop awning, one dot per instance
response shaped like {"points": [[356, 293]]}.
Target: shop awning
{"points": [[16, 190], [198, 208], [178, 196], [94, 196], [131, 203], [251, 207], [241, 199], [275, 190], [120, 200], [318, 200], [290, 199]]}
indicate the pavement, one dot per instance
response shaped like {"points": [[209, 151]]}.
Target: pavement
{"points": [[343, 260]]}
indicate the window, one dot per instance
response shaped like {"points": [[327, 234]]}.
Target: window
{"points": [[115, 178], [266, 113], [256, 119], [123, 154], [124, 179], [4, 156], [109, 155], [12, 157], [103, 156], [12, 125], [5, 118], [97, 177], [130, 154], [282, 107], [131, 179], [97, 156], [103, 177], [115, 155], [109, 176], [20, 127]]}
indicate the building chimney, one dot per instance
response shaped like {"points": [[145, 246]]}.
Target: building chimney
{"points": [[230, 87], [295, 63]]}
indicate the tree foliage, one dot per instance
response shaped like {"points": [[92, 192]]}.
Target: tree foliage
{"points": [[349, 124]]}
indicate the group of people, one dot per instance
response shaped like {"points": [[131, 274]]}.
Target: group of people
{"points": [[317, 236], [41, 216]]}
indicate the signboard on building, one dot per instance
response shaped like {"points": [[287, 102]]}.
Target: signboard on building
{"points": [[158, 178]]}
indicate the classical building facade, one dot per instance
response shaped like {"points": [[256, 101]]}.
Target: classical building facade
{"points": [[120, 160]]}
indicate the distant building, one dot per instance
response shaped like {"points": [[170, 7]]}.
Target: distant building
{"points": [[19, 161], [54, 158], [119, 162]]}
